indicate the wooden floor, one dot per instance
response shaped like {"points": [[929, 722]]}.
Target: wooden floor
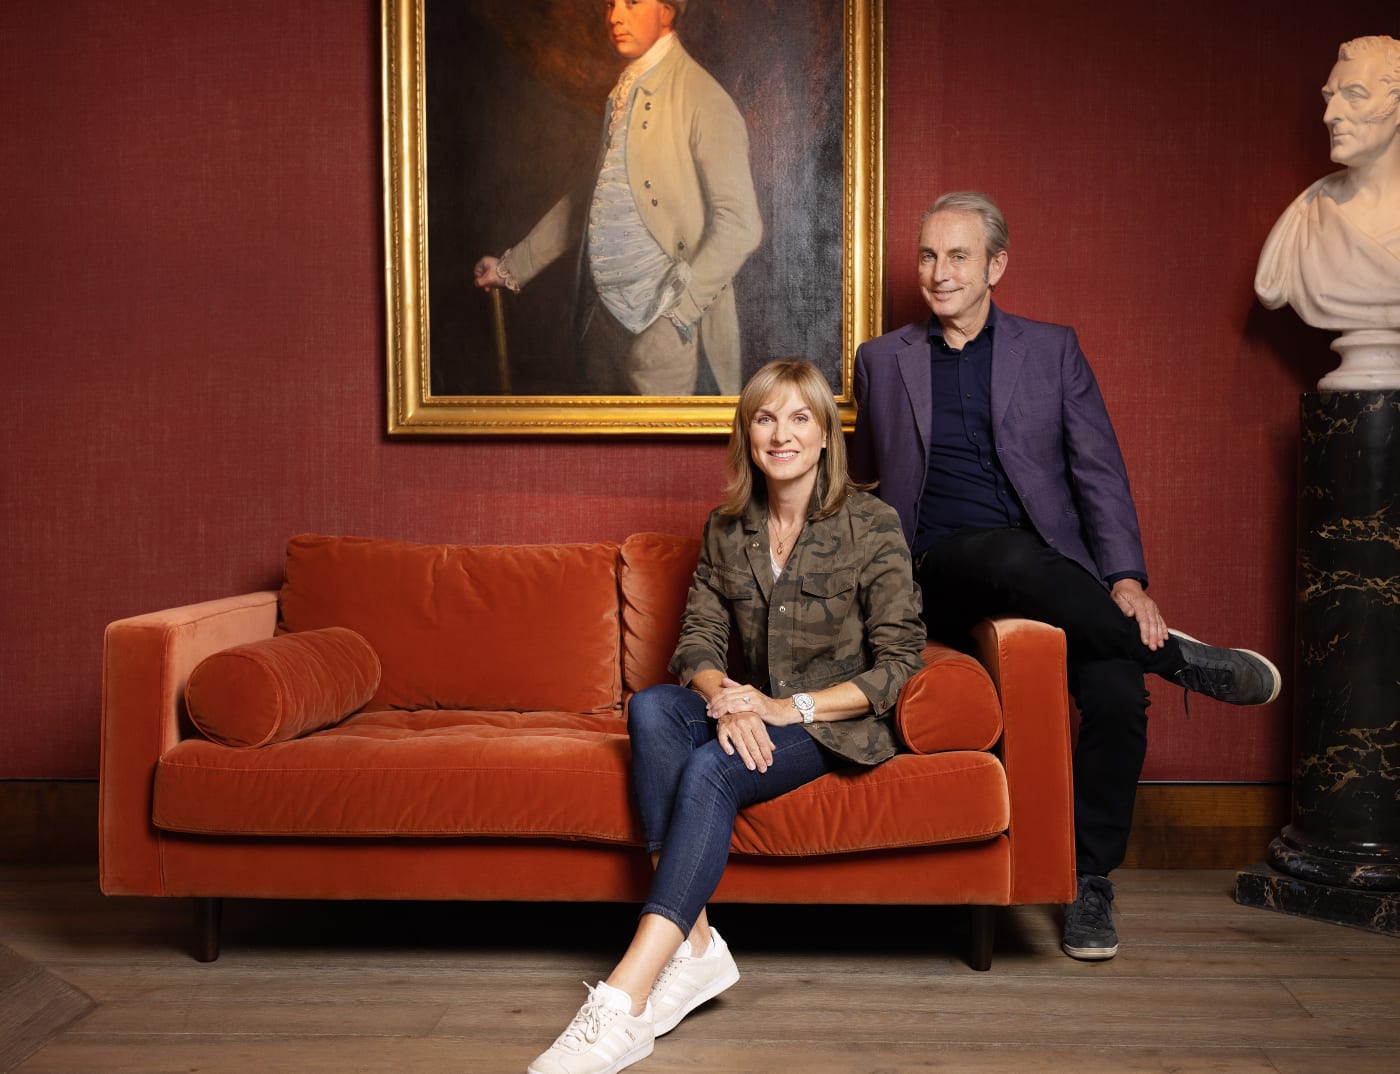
{"points": [[1201, 985]]}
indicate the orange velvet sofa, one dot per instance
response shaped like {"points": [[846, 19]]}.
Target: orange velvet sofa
{"points": [[408, 721]]}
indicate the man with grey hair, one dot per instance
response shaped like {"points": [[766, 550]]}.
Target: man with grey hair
{"points": [[1334, 254], [989, 437], [665, 222]]}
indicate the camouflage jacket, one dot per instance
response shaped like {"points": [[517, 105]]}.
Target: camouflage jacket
{"points": [[845, 608]]}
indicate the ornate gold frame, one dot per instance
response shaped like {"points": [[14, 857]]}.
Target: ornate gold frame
{"points": [[414, 411]]}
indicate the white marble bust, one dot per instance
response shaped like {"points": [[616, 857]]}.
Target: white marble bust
{"points": [[1334, 254]]}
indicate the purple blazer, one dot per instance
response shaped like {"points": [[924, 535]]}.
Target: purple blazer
{"points": [[1051, 430]]}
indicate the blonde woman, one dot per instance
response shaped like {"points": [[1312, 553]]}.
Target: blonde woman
{"points": [[813, 576]]}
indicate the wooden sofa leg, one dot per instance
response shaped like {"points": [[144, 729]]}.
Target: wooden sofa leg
{"points": [[208, 916], [982, 931]]}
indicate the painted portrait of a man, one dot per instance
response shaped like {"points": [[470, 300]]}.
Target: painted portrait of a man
{"points": [[653, 186]]}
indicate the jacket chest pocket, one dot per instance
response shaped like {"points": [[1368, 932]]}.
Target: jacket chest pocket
{"points": [[748, 611], [827, 599], [734, 585]]}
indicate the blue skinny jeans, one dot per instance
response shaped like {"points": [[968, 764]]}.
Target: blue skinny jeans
{"points": [[690, 791]]}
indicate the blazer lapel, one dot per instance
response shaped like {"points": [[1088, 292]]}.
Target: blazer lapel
{"points": [[1008, 356], [917, 375]]}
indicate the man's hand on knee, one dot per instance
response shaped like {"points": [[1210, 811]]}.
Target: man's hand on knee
{"points": [[1129, 595]]}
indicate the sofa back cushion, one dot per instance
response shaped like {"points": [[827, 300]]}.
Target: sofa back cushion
{"points": [[280, 688], [656, 573], [527, 627]]}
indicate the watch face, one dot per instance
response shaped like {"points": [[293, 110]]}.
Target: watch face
{"points": [[806, 705]]}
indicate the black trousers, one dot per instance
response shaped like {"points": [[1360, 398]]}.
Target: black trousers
{"points": [[970, 576]]}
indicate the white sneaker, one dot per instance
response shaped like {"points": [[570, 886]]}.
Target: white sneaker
{"points": [[688, 981], [603, 1038]]}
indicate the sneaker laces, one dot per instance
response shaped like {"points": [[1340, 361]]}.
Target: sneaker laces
{"points": [[1204, 681], [588, 1024], [1199, 678], [1091, 907], [667, 972]]}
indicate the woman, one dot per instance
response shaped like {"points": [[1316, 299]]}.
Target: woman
{"points": [[813, 576]]}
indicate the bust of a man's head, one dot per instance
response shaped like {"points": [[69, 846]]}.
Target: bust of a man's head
{"points": [[1362, 98], [1334, 254]]}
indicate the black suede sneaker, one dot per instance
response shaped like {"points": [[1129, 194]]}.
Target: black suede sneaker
{"points": [[1089, 932], [1235, 676]]}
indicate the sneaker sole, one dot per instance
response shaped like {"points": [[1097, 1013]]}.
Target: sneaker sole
{"points": [[1278, 679], [717, 986], [1090, 954], [636, 1055]]}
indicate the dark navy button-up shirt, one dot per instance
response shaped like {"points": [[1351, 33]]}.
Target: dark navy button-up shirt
{"points": [[966, 487]]}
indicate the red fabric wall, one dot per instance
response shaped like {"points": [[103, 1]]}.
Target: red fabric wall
{"points": [[191, 310]]}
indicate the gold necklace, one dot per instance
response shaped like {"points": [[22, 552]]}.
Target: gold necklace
{"points": [[772, 528]]}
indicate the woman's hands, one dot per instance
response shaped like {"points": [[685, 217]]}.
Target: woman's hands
{"points": [[742, 715], [733, 698]]}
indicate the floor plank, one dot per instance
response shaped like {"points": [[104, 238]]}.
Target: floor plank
{"points": [[35, 1007], [1202, 985]]}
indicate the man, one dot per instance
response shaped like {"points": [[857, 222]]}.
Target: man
{"points": [[666, 222], [989, 437], [1334, 254]]}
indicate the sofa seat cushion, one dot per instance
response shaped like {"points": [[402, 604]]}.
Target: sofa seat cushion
{"points": [[909, 801], [430, 772], [531, 627], [548, 775]]}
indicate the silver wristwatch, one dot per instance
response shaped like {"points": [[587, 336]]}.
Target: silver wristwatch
{"points": [[804, 704]]}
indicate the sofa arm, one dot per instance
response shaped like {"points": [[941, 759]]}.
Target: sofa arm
{"points": [[1026, 661], [146, 661]]}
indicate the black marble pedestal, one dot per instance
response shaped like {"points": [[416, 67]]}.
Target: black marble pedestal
{"points": [[1264, 886], [1339, 858]]}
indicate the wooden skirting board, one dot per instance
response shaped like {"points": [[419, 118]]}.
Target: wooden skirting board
{"points": [[1205, 825], [48, 821], [1176, 825]]}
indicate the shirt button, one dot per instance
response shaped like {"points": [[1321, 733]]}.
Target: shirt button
{"points": [[782, 607], [655, 202], [646, 183]]}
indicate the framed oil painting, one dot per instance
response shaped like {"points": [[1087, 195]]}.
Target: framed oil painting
{"points": [[653, 267]]}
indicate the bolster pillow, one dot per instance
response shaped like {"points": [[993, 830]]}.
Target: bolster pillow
{"points": [[282, 687], [951, 704]]}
